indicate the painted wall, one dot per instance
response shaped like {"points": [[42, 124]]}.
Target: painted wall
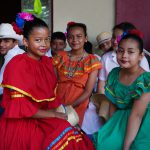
{"points": [[139, 16], [98, 15]]}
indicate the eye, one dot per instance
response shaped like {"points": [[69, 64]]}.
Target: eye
{"points": [[79, 36], [47, 40], [130, 52], [38, 40], [70, 37], [120, 50]]}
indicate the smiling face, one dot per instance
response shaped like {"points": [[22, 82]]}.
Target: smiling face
{"points": [[76, 38], [128, 53], [38, 42], [105, 46], [6, 45]]}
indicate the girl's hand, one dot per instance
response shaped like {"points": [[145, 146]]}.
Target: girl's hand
{"points": [[75, 104]]}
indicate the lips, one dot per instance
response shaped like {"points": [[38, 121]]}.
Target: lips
{"points": [[43, 50], [124, 61]]}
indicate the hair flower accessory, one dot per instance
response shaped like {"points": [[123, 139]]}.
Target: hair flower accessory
{"points": [[22, 17], [70, 23], [137, 33], [121, 36], [26, 16], [16, 28]]}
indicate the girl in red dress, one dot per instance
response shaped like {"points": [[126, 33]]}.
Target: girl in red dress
{"points": [[30, 120]]}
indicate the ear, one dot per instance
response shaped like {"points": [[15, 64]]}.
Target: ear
{"points": [[86, 38], [141, 56], [25, 42]]}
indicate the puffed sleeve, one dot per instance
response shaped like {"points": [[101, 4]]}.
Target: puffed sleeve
{"points": [[17, 105], [142, 85]]}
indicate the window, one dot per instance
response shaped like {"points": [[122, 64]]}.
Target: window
{"points": [[40, 8]]}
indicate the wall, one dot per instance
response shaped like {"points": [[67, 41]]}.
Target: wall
{"points": [[98, 15], [138, 14]]}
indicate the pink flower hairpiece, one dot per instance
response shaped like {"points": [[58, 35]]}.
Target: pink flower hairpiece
{"points": [[26, 16], [22, 17]]}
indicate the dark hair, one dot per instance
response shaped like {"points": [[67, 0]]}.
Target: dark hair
{"points": [[125, 26], [30, 25], [88, 47], [81, 25], [58, 36], [135, 38]]}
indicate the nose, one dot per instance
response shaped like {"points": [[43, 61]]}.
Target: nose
{"points": [[124, 54], [74, 38], [44, 43]]}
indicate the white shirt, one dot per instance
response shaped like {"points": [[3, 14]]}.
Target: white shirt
{"points": [[10, 54], [109, 61], [48, 53]]}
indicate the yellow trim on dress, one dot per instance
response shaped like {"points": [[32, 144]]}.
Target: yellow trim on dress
{"points": [[17, 96], [27, 94], [119, 101]]}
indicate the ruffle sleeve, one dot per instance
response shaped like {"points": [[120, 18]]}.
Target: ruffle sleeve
{"points": [[142, 85], [124, 96], [18, 107], [59, 59], [91, 63]]}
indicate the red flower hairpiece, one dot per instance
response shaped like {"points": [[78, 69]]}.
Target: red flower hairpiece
{"points": [[16, 28], [70, 23], [136, 32]]}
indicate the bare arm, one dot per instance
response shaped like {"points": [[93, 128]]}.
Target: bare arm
{"points": [[88, 88], [100, 86], [135, 118]]}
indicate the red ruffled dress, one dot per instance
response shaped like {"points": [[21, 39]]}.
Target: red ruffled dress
{"points": [[29, 86]]}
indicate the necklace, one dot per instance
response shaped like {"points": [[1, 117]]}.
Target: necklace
{"points": [[71, 70]]}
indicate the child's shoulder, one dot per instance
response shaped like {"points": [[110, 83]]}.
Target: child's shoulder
{"points": [[108, 55], [115, 70]]}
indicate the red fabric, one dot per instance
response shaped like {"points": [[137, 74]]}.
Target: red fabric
{"points": [[27, 73], [18, 130]]}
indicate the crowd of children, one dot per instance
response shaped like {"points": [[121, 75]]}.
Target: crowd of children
{"points": [[43, 78]]}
